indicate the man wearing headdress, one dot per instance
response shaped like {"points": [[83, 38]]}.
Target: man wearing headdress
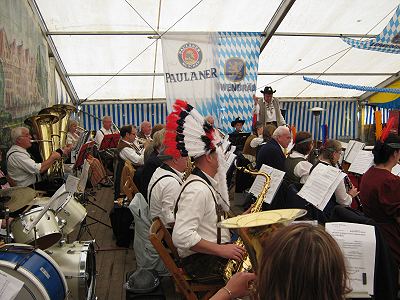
{"points": [[203, 199]]}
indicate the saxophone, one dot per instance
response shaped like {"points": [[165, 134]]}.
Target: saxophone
{"points": [[234, 266]]}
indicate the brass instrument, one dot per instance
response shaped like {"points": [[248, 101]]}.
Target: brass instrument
{"points": [[254, 228], [189, 169], [60, 113], [42, 125], [234, 266], [69, 109]]}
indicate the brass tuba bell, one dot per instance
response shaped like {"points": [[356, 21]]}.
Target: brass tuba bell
{"points": [[42, 126]]}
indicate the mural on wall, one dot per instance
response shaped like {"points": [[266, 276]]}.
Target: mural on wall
{"points": [[24, 65]]}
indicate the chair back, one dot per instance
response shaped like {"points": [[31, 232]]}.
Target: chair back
{"points": [[159, 236]]}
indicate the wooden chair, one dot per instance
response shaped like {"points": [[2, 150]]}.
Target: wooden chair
{"points": [[159, 237]]}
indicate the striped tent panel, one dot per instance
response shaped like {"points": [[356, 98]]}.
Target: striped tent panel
{"points": [[339, 115], [62, 96], [123, 114], [369, 114]]}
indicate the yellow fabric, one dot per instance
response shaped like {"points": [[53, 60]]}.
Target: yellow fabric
{"points": [[378, 124], [385, 97]]}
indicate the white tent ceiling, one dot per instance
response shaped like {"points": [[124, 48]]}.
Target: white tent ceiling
{"points": [[97, 39]]}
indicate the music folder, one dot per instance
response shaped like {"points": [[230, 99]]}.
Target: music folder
{"points": [[109, 141], [82, 154]]}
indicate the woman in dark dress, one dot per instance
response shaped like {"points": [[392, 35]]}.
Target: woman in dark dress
{"points": [[380, 192]]}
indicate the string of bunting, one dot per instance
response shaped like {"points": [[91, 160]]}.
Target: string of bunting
{"points": [[352, 86]]}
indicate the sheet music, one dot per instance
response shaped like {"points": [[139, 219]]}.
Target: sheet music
{"points": [[84, 176], [229, 158], [358, 244], [320, 185], [71, 184], [9, 286], [363, 161], [396, 170], [259, 182], [352, 150]]}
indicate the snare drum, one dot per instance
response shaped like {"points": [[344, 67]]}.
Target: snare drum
{"points": [[47, 230], [43, 279], [71, 213], [77, 262]]}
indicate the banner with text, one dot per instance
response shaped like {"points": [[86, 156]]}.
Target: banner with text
{"points": [[215, 72]]}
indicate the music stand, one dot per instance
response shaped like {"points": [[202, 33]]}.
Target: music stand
{"points": [[109, 141], [83, 151]]}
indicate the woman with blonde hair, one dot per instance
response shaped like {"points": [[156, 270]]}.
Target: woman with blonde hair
{"points": [[300, 262]]}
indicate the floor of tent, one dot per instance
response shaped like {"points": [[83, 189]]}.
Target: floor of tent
{"points": [[112, 262]]}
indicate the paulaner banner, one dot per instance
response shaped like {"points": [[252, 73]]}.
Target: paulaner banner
{"points": [[215, 72]]}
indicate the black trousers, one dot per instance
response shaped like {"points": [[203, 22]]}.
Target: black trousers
{"points": [[204, 267]]}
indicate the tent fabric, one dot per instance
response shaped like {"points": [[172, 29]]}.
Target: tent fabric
{"points": [[386, 100], [339, 115], [297, 113], [85, 56], [123, 114]]}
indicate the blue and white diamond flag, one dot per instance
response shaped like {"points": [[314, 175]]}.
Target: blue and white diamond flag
{"points": [[387, 41], [215, 72]]}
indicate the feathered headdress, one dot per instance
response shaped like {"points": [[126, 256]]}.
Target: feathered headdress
{"points": [[187, 133]]}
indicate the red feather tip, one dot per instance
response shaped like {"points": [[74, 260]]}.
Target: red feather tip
{"points": [[171, 123], [388, 128], [181, 103]]}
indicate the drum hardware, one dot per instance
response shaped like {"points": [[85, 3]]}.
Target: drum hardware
{"points": [[5, 215], [85, 201]]}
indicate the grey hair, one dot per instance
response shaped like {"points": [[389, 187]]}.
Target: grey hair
{"points": [[106, 118], [281, 130], [16, 133]]}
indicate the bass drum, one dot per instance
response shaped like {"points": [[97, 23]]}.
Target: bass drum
{"points": [[43, 279], [78, 263]]}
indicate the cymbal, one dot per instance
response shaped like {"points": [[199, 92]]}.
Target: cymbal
{"points": [[19, 197], [263, 218]]}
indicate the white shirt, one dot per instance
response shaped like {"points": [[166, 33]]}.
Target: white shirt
{"points": [[164, 194], [303, 168], [270, 115], [196, 218], [254, 143], [100, 135], [341, 195], [129, 153], [21, 167]]}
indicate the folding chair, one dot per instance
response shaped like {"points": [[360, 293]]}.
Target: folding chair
{"points": [[159, 237]]}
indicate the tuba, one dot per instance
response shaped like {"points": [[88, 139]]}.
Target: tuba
{"points": [[69, 109], [234, 266], [42, 126], [60, 114]]}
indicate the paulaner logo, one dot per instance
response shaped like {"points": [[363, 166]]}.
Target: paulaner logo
{"points": [[235, 69], [190, 55]]}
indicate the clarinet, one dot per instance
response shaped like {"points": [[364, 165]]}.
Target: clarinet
{"points": [[349, 186]]}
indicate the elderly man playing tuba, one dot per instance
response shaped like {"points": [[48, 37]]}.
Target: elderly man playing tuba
{"points": [[21, 167]]}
